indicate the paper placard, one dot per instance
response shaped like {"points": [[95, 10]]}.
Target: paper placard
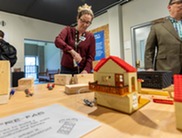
{"points": [[53, 121]]}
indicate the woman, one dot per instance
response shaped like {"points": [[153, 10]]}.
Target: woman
{"points": [[77, 44]]}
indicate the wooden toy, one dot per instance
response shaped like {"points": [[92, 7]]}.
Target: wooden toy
{"points": [[116, 85], [12, 92], [76, 88], [25, 83], [83, 78], [67, 79], [178, 100], [28, 93], [88, 103], [163, 101], [62, 79], [73, 83], [4, 81], [50, 86]]}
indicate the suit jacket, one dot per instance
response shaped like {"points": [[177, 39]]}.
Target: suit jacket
{"points": [[164, 38]]}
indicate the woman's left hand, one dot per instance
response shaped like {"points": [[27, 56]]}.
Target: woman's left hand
{"points": [[84, 72]]}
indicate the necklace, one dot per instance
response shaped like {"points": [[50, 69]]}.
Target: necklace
{"points": [[78, 39]]}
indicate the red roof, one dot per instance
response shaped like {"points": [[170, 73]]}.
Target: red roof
{"points": [[118, 61]]}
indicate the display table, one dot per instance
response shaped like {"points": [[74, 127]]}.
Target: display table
{"points": [[153, 120]]}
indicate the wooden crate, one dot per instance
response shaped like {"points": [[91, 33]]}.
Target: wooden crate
{"points": [[62, 79], [126, 104], [4, 81], [84, 78], [76, 88], [25, 83], [178, 114]]}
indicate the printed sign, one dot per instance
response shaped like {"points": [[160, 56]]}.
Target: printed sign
{"points": [[100, 48], [54, 121]]}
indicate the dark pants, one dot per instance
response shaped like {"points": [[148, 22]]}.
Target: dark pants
{"points": [[65, 70]]}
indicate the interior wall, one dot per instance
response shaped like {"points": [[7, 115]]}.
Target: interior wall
{"points": [[134, 13], [18, 28]]}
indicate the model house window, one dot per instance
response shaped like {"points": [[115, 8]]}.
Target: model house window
{"points": [[119, 80], [106, 78]]}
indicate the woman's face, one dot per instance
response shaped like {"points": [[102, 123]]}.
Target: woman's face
{"points": [[84, 22], [175, 10]]}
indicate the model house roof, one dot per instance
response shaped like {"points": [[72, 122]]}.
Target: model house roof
{"points": [[118, 61]]}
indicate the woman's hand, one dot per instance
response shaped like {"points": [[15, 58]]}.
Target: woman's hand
{"points": [[84, 72], [76, 56]]}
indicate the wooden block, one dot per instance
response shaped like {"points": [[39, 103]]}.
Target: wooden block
{"points": [[76, 88], [84, 78], [62, 79], [25, 83], [154, 91], [126, 104], [4, 81], [178, 114]]}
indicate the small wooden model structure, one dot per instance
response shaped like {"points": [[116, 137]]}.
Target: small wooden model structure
{"points": [[62, 79], [77, 83], [25, 83], [4, 81], [116, 85], [178, 100]]}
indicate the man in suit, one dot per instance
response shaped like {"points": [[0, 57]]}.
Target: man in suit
{"points": [[164, 44]]}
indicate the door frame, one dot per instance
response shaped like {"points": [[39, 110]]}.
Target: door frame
{"points": [[133, 40]]}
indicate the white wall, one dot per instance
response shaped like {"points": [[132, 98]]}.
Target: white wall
{"points": [[99, 21], [18, 28], [133, 13]]}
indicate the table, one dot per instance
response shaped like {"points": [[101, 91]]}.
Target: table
{"points": [[153, 120]]}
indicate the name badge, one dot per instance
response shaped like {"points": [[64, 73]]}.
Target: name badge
{"points": [[82, 38]]}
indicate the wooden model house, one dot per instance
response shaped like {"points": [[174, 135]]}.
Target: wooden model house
{"points": [[115, 84]]}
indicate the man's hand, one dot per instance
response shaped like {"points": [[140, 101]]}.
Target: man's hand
{"points": [[150, 69]]}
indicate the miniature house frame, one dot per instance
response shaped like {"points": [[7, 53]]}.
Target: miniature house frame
{"points": [[114, 73], [115, 84]]}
